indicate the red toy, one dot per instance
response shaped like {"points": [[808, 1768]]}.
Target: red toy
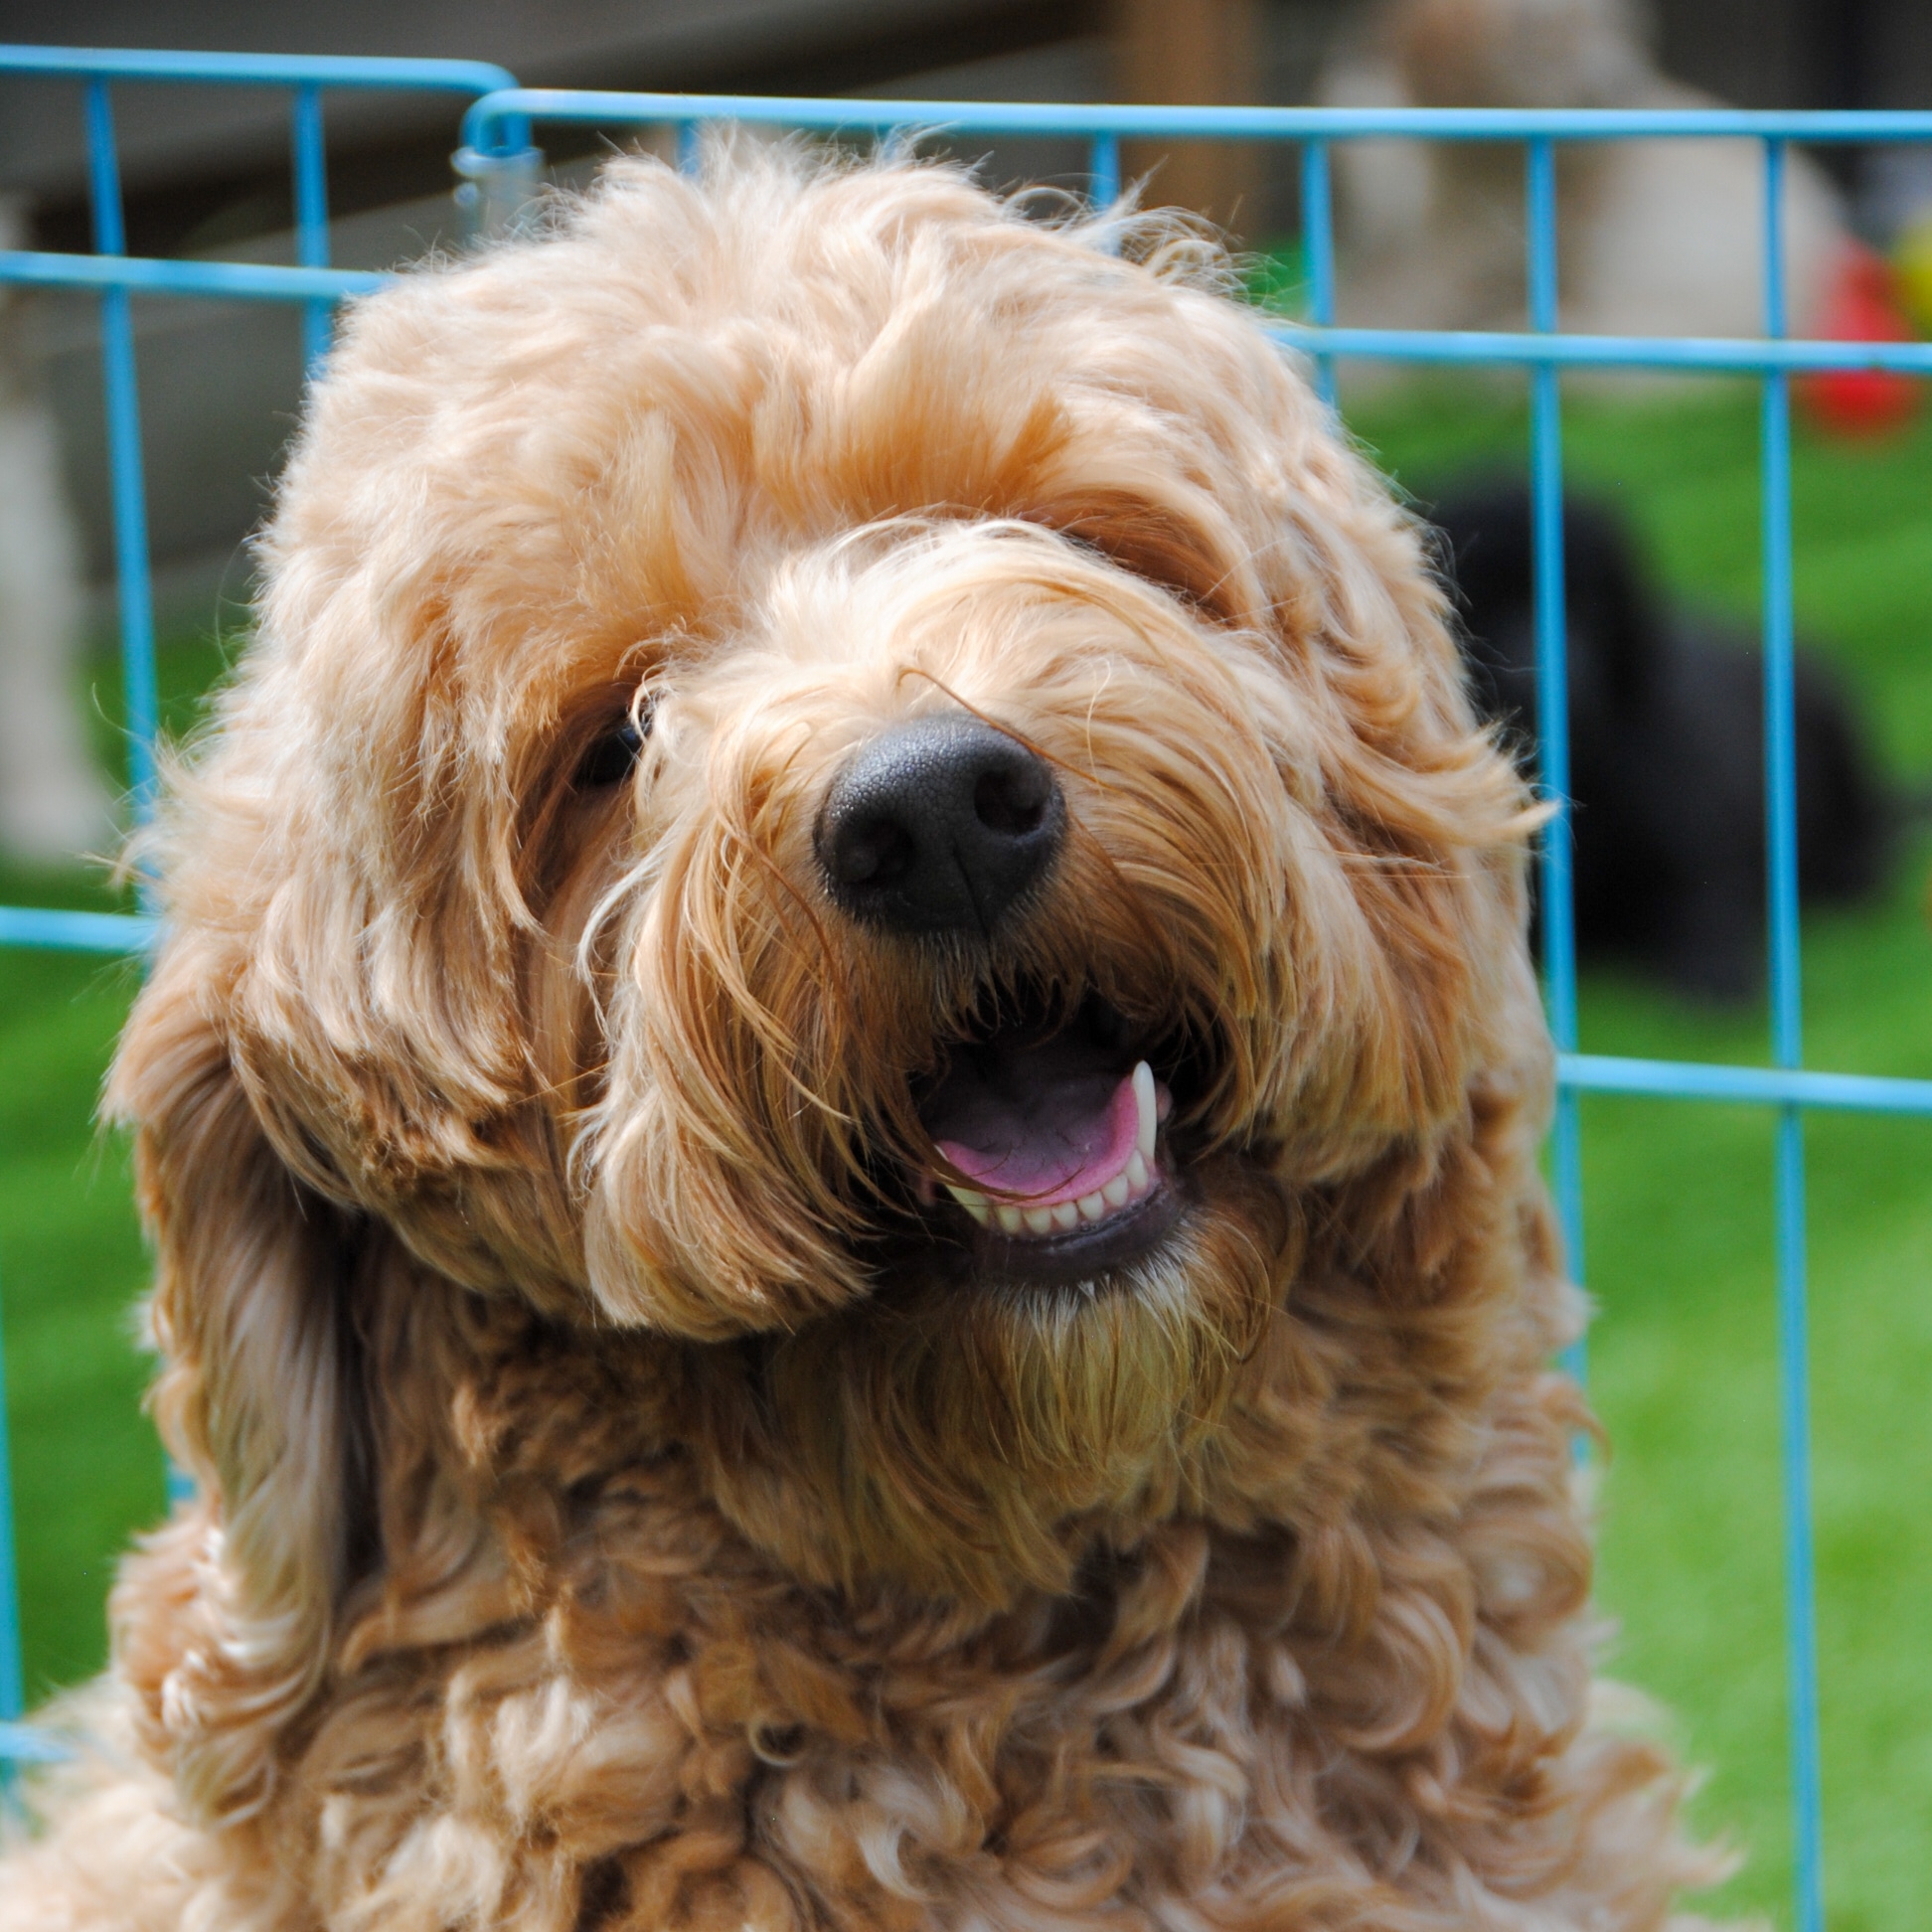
{"points": [[1863, 305]]}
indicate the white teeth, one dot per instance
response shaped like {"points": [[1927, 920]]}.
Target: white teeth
{"points": [[972, 1200], [1152, 1105], [1146, 1120]]}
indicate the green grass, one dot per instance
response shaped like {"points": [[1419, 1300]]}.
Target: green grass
{"points": [[1683, 1359], [87, 1469]]}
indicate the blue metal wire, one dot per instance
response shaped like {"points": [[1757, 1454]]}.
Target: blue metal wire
{"points": [[1103, 170], [1552, 699], [28, 1744], [1685, 354], [1750, 1087], [501, 120], [257, 70], [1318, 254], [1787, 1049], [311, 172], [228, 281], [108, 932], [129, 488]]}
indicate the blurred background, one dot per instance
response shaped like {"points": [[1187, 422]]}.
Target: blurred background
{"points": [[207, 171], [1663, 519]]}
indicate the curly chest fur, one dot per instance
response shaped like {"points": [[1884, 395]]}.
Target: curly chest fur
{"points": [[681, 1738], [573, 1694]]}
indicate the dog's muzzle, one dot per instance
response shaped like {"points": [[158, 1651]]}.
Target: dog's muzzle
{"points": [[1048, 1130]]}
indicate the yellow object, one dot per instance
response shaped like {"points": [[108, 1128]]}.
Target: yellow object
{"points": [[1912, 259]]}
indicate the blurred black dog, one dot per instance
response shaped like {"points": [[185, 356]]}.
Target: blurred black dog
{"points": [[1666, 759]]}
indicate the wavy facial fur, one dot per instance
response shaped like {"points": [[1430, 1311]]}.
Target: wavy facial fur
{"points": [[627, 1495]]}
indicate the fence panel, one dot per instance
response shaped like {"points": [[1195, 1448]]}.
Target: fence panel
{"points": [[501, 167]]}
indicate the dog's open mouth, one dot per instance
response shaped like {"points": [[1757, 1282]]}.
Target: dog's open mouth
{"points": [[1056, 1139]]}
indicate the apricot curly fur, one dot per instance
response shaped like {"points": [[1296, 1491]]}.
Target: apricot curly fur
{"points": [[613, 1511]]}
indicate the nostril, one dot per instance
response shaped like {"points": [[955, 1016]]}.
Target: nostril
{"points": [[1013, 802], [873, 852]]}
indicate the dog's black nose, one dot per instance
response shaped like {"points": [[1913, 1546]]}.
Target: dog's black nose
{"points": [[939, 827]]}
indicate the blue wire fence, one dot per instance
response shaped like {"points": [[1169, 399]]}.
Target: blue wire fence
{"points": [[501, 169]]}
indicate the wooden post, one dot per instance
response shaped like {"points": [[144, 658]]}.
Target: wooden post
{"points": [[1193, 52]]}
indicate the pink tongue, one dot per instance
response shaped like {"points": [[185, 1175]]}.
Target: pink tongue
{"points": [[1053, 1155]]}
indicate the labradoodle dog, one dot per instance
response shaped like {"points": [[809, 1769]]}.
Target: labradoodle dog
{"points": [[841, 1115]]}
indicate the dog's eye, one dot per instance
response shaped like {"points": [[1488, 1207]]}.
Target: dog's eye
{"points": [[614, 758]]}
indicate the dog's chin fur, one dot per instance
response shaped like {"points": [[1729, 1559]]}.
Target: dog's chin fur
{"points": [[630, 1493], [972, 1439]]}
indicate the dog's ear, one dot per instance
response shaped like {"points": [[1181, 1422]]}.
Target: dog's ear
{"points": [[255, 1402]]}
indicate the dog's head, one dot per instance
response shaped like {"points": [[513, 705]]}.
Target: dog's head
{"points": [[849, 779]]}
